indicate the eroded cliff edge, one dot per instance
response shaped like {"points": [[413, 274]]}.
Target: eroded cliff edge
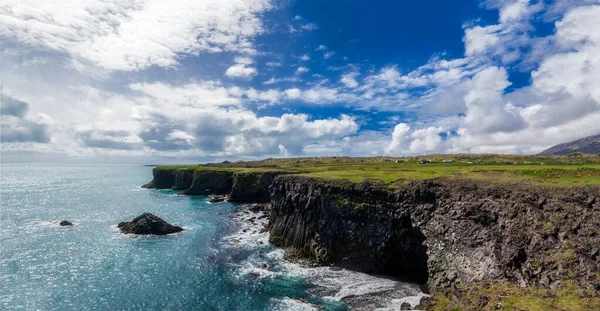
{"points": [[441, 232]]}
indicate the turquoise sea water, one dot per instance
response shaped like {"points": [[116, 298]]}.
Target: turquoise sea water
{"points": [[217, 263]]}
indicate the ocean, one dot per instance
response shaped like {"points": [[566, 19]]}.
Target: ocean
{"points": [[222, 261]]}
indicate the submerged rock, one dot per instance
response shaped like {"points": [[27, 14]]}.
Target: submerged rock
{"points": [[66, 223], [217, 199], [148, 223], [405, 306]]}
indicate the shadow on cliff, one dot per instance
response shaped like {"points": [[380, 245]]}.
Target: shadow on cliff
{"points": [[407, 253]]}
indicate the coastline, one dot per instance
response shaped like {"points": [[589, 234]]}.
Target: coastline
{"points": [[453, 234], [337, 286]]}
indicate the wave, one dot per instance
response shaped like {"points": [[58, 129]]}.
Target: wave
{"points": [[357, 290]]}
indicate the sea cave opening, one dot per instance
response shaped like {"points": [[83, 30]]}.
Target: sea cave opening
{"points": [[407, 253]]}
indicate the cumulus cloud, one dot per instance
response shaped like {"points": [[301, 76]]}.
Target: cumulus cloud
{"points": [[242, 69], [125, 35], [18, 126], [239, 131], [466, 104], [558, 106], [414, 141], [110, 139]]}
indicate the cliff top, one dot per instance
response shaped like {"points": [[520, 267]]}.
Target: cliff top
{"points": [[549, 170]]}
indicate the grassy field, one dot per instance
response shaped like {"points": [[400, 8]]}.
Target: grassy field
{"points": [[509, 297], [550, 170]]}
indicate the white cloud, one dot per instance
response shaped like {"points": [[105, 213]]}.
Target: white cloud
{"points": [[273, 64], [301, 70], [558, 106], [305, 57], [328, 55], [480, 39], [274, 80], [241, 71], [453, 105], [125, 35], [18, 125], [349, 80], [309, 27], [321, 48]]}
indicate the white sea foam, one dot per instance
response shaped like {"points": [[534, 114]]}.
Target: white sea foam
{"points": [[360, 291], [288, 304], [396, 303]]}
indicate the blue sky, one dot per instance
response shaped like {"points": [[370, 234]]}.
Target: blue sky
{"points": [[199, 81]]}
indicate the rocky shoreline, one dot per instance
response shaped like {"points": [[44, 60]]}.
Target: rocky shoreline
{"points": [[443, 233]]}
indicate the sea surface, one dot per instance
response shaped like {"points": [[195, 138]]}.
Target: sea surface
{"points": [[222, 261]]}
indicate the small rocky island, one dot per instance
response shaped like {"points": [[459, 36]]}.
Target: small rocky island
{"points": [[148, 223], [66, 223]]}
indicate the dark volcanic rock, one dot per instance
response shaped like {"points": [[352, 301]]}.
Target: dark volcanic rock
{"points": [[66, 223], [443, 232], [424, 303], [259, 207], [217, 199], [252, 187], [148, 223]]}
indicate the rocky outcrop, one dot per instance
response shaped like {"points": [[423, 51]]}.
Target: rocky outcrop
{"points": [[444, 232], [148, 223], [217, 199], [65, 223]]}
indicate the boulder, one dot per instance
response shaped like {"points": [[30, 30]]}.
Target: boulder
{"points": [[217, 199], [259, 207], [148, 223], [405, 306], [424, 303], [66, 223]]}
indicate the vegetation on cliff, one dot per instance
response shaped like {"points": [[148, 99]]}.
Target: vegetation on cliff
{"points": [[509, 296], [549, 170]]}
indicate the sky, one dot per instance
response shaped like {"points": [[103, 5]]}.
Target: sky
{"points": [[153, 81]]}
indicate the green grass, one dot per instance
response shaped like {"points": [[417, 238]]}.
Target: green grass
{"points": [[508, 296], [547, 170]]}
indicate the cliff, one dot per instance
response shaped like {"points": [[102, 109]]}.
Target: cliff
{"points": [[445, 232], [239, 185], [442, 232]]}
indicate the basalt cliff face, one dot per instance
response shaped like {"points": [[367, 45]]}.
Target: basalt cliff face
{"points": [[445, 232], [439, 232], [240, 186]]}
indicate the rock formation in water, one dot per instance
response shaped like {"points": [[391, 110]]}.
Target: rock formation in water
{"points": [[66, 223], [217, 199], [442, 232], [148, 223]]}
